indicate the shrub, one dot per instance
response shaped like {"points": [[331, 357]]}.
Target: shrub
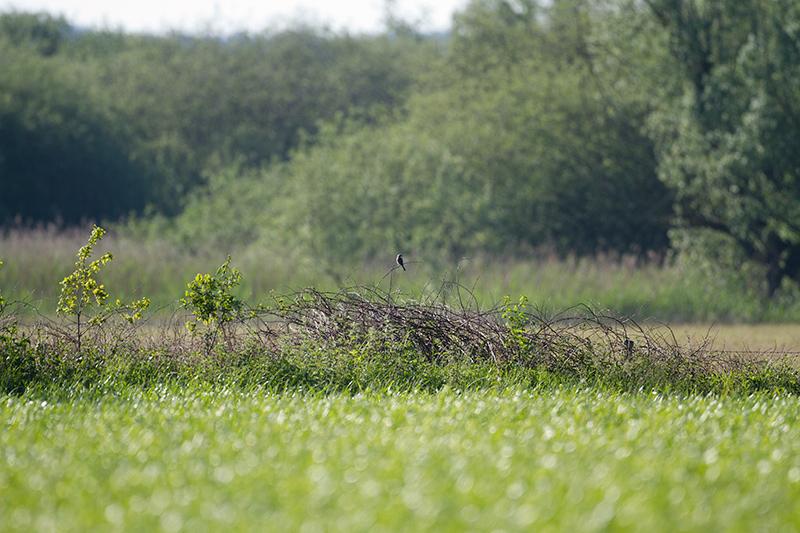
{"points": [[212, 303], [16, 360], [81, 292]]}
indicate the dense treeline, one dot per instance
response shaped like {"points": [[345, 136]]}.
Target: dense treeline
{"points": [[98, 124], [580, 126]]}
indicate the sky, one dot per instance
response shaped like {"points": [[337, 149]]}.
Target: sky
{"points": [[231, 16]]}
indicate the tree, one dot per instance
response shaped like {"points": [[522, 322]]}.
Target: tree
{"points": [[61, 154], [532, 144], [546, 109], [98, 124], [728, 144], [38, 31]]}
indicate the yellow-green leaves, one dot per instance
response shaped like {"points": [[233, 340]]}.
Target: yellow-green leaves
{"points": [[81, 291], [516, 318], [81, 288], [134, 310], [210, 298]]}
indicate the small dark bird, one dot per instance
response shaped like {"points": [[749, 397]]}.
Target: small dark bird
{"points": [[629, 347], [399, 260]]}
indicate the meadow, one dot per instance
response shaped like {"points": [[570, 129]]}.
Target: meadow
{"points": [[552, 458], [380, 411]]}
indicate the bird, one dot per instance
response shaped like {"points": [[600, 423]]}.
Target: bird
{"points": [[399, 260], [629, 347]]}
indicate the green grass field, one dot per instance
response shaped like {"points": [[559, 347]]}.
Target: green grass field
{"points": [[548, 459]]}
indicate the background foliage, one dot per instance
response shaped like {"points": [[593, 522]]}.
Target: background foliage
{"points": [[578, 127]]}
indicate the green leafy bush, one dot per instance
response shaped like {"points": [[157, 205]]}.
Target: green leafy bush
{"points": [[17, 364], [210, 299]]}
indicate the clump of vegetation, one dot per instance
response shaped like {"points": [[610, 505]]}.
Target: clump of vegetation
{"points": [[214, 306], [580, 343], [16, 367]]}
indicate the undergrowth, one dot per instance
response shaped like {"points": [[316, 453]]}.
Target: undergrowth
{"points": [[347, 357], [357, 339]]}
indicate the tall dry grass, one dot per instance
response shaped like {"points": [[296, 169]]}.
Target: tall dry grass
{"points": [[37, 259]]}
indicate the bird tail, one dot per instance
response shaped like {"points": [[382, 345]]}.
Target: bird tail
{"points": [[404, 267]]}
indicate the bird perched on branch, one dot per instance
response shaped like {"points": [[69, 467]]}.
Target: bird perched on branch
{"points": [[399, 260]]}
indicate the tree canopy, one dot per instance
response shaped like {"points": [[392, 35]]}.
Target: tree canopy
{"points": [[630, 127], [729, 144]]}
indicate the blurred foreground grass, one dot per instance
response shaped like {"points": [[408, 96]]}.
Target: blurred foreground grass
{"points": [[562, 459], [36, 260]]}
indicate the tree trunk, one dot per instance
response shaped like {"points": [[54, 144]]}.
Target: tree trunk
{"points": [[775, 276]]}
